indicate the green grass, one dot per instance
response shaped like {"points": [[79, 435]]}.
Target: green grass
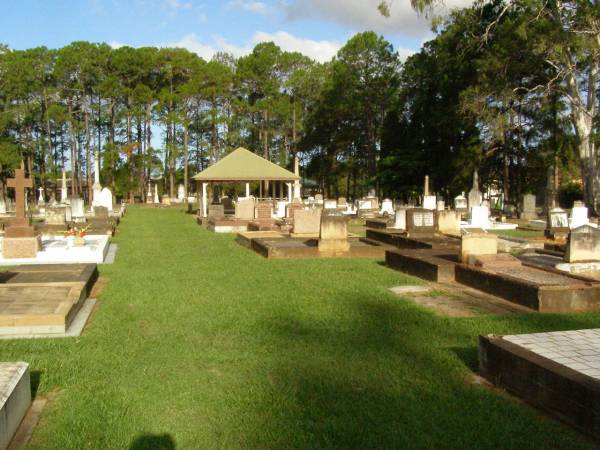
{"points": [[199, 343], [520, 233]]}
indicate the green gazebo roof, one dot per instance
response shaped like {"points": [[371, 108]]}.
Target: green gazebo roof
{"points": [[243, 165]]}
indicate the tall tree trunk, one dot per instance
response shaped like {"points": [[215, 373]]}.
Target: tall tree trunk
{"points": [[185, 160]]}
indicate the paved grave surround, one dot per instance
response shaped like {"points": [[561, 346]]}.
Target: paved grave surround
{"points": [[44, 300], [557, 371], [294, 248], [15, 398]]}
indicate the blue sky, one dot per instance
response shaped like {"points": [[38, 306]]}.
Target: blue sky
{"points": [[315, 27]]}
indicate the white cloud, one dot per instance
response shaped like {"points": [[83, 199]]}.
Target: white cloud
{"points": [[319, 50], [363, 14], [116, 44], [248, 5]]}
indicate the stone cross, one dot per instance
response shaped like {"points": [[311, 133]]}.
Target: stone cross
{"points": [[20, 183], [41, 197]]}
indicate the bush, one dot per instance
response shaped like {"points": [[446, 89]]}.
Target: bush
{"points": [[569, 193]]}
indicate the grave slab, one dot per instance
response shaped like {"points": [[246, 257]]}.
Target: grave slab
{"points": [[44, 300], [15, 398], [558, 372], [58, 250], [282, 248]]}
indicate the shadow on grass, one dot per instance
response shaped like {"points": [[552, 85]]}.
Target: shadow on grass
{"points": [[153, 442], [385, 377], [34, 379]]}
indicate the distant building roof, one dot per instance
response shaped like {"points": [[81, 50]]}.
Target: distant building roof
{"points": [[243, 165]]}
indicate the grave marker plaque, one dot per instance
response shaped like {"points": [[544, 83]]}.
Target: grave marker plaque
{"points": [[420, 221]]}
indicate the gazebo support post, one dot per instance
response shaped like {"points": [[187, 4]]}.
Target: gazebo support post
{"points": [[289, 186], [247, 190], [260, 194], [204, 200]]}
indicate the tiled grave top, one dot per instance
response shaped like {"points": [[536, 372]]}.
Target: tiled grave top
{"points": [[10, 374], [578, 350]]}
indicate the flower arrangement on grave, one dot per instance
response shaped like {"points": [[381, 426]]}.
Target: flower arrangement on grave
{"points": [[77, 232], [77, 235]]}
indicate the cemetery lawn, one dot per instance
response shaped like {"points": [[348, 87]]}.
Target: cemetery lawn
{"points": [[197, 342]]}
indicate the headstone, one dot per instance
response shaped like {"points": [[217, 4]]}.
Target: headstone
{"points": [[583, 244], [97, 187], [63, 190], [101, 212], [400, 218], [20, 240], [475, 195], [263, 211], [297, 186], [41, 200], [460, 203], [244, 209], [149, 194], [480, 217], [342, 203], [55, 216], [307, 221], [106, 199], [280, 212], [228, 206], [290, 209], [333, 234], [77, 210], [364, 205], [215, 210], [528, 209], [387, 207], [557, 226], [477, 243], [156, 199], [330, 204], [181, 193], [430, 202], [440, 205], [165, 200], [319, 199], [2, 206], [448, 222], [579, 215], [420, 221]]}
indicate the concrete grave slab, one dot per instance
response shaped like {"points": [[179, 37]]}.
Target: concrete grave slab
{"points": [[558, 372], [15, 398]]}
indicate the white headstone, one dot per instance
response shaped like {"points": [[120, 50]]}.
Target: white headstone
{"points": [[149, 194], [460, 202], [63, 190], [387, 207], [2, 206], [441, 205], [97, 187], [579, 215], [365, 204], [77, 208], [429, 202], [480, 217], [400, 220], [181, 193], [280, 213], [330, 204], [156, 199], [106, 199]]}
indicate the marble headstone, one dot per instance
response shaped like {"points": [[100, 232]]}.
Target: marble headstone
{"points": [[106, 199]]}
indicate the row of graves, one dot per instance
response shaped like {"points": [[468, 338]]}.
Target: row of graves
{"points": [[556, 371], [49, 293]]}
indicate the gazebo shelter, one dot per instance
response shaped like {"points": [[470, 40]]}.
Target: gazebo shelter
{"points": [[243, 165]]}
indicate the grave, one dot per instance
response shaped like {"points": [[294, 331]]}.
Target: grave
{"points": [[583, 245], [368, 208], [45, 300], [420, 221], [387, 207], [307, 222], [557, 225], [333, 235], [528, 208], [20, 239], [579, 215], [77, 210], [330, 204], [244, 209], [263, 217], [558, 372], [448, 222], [460, 203], [15, 398]]}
